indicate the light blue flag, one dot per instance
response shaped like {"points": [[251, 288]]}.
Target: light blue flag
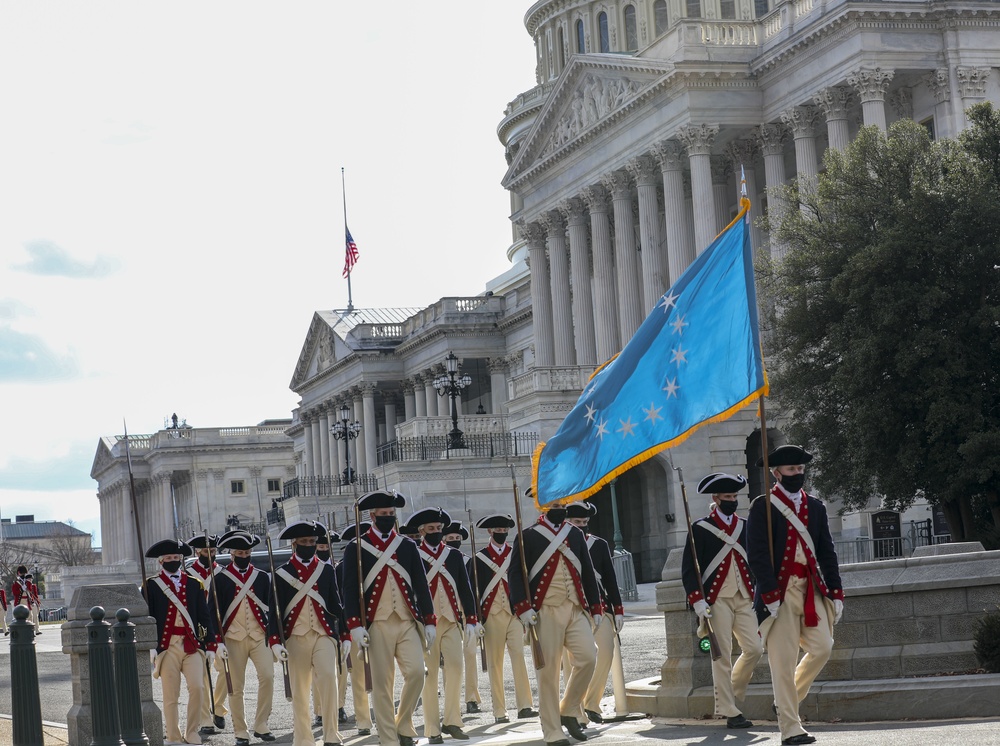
{"points": [[696, 359]]}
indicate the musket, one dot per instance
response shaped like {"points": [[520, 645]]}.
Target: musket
{"points": [[536, 645], [767, 483], [135, 513], [340, 669], [274, 593], [361, 597], [713, 641], [475, 587]]}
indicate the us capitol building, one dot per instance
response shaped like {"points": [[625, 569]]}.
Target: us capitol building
{"points": [[624, 163]]}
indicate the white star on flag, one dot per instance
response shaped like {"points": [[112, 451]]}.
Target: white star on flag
{"points": [[626, 427], [668, 302], [591, 412], [671, 387]]}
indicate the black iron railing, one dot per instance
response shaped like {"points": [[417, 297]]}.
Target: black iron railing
{"points": [[328, 486], [485, 445]]}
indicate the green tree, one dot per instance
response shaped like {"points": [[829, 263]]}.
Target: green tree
{"points": [[886, 329]]}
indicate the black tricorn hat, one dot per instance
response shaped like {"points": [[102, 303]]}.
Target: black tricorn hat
{"points": [[408, 529], [169, 546], [197, 541], [430, 515], [303, 530], [238, 540], [456, 527], [713, 484], [381, 499], [578, 509], [21, 569], [334, 538], [348, 533], [786, 455], [496, 521]]}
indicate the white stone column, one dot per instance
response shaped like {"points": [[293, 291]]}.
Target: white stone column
{"points": [[307, 437], [626, 257], [323, 462], [409, 401], [971, 87], [801, 122], [166, 526], [939, 83], [605, 294], [360, 460], [335, 460], [369, 426], [419, 397], [541, 295], [654, 276], [575, 212], [698, 140], [742, 155], [680, 251], [129, 550], [720, 191], [772, 145], [430, 393], [871, 85], [834, 103], [562, 309], [498, 383], [390, 417]]}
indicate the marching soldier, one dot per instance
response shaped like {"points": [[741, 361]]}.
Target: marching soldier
{"points": [[3, 615], [21, 591], [579, 514], [323, 554], [720, 542], [185, 637], [503, 630], [398, 605], [362, 711], [454, 535], [562, 590], [244, 603], [800, 589], [452, 596], [204, 569], [309, 608], [410, 532]]}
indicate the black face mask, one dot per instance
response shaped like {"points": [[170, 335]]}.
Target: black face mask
{"points": [[454, 544], [385, 523], [793, 482], [500, 538], [305, 553], [205, 561], [241, 562], [172, 567], [433, 538], [727, 507], [556, 516], [323, 554]]}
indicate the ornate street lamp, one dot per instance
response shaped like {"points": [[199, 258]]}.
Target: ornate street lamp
{"points": [[449, 384], [346, 431]]}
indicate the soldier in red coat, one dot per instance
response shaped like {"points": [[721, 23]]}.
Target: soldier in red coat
{"points": [[3, 616]]}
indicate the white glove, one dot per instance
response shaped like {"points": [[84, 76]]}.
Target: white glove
{"points": [[430, 634], [346, 647], [838, 609], [480, 630], [598, 618], [359, 636], [222, 652], [772, 608], [702, 609], [280, 654], [470, 634], [210, 655], [157, 662], [619, 622], [529, 618]]}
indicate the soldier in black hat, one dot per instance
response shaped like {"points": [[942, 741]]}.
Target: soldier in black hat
{"points": [[397, 606], [502, 627], [362, 711], [799, 596], [323, 544], [579, 514], [185, 637], [563, 588], [451, 593], [244, 604], [204, 569], [308, 605], [720, 542], [454, 534]]}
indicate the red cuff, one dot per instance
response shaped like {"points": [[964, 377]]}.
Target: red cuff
{"points": [[353, 623], [273, 640], [212, 646], [597, 609], [522, 607], [837, 594], [471, 619], [771, 596], [694, 596], [619, 611]]}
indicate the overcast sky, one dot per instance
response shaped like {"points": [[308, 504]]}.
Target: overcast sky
{"points": [[171, 210]]}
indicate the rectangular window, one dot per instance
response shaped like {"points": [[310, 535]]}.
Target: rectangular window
{"points": [[928, 124], [237, 487], [274, 485]]}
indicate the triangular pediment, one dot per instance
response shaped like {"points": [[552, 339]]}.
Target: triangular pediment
{"points": [[592, 93], [102, 459], [320, 350]]}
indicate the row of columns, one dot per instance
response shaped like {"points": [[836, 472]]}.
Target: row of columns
{"points": [[583, 317]]}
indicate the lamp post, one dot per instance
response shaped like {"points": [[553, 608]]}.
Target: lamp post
{"points": [[346, 431], [450, 384]]}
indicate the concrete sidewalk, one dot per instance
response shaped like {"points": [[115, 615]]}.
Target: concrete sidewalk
{"points": [[54, 734]]}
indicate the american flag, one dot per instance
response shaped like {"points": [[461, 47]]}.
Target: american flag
{"points": [[350, 254]]}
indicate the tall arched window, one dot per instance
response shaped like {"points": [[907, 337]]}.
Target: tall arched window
{"points": [[632, 30], [581, 38], [727, 8], [602, 25], [660, 16], [694, 8]]}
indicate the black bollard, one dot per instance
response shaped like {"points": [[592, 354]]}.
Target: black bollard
{"points": [[103, 702], [127, 682], [25, 704]]}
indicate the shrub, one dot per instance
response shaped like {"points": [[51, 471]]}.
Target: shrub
{"points": [[986, 641]]}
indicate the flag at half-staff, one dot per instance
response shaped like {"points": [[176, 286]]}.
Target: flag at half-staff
{"points": [[350, 253], [696, 359]]}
